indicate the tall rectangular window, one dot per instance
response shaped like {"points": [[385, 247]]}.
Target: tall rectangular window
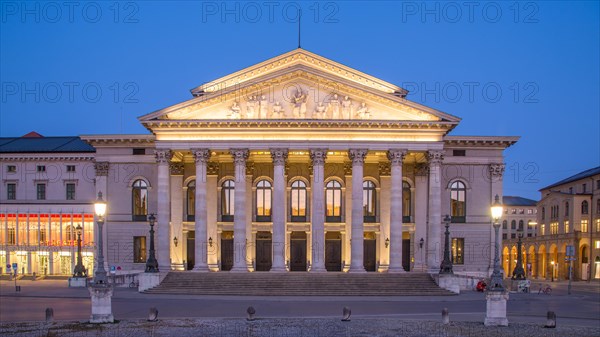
{"points": [[597, 229], [139, 249], [584, 226], [542, 229], [567, 227], [11, 191], [70, 191], [458, 249], [41, 191]]}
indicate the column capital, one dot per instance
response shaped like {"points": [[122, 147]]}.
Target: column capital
{"points": [[201, 155], [163, 156], [318, 156], [357, 155], [422, 170], [435, 156], [176, 169], [101, 168], [279, 156], [496, 170], [240, 155], [396, 156]]}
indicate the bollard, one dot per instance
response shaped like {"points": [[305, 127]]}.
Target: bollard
{"points": [[445, 316], [153, 315], [49, 314], [551, 320], [250, 311], [346, 312]]}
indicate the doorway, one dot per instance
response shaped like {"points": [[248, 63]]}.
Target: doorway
{"points": [[406, 254], [370, 251], [191, 250], [298, 251], [226, 250], [264, 244], [333, 251]]}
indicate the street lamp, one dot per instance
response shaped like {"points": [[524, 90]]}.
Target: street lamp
{"points": [[152, 263], [496, 279], [519, 273], [446, 266], [100, 277], [79, 270], [552, 263]]}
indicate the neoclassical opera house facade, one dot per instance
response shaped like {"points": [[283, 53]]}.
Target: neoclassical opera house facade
{"points": [[299, 163]]}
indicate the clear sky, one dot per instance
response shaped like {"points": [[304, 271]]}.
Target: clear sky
{"points": [[530, 69]]}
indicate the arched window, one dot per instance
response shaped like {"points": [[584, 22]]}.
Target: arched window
{"points": [[520, 225], [227, 200], [458, 203], [298, 201], [333, 200], [567, 208], [504, 224], [584, 207], [263, 201], [369, 201], [191, 201], [140, 200], [513, 224], [70, 235], [406, 202]]}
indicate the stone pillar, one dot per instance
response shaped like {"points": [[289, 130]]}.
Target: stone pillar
{"points": [[385, 182], [176, 187], [201, 157], [279, 157], [240, 211], [212, 196], [396, 158], [318, 157], [358, 158], [101, 169], [347, 195], [162, 196], [495, 175], [434, 235], [420, 200]]}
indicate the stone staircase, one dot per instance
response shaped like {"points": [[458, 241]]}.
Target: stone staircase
{"points": [[298, 284]]}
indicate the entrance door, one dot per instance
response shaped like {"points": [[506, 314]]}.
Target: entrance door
{"points": [[263, 251], [406, 254], [333, 251], [298, 251], [370, 251], [191, 250], [226, 250]]}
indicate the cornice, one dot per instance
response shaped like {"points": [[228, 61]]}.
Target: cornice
{"points": [[48, 157], [117, 140], [481, 141]]}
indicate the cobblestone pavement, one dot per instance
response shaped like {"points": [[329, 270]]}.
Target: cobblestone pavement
{"points": [[285, 327]]}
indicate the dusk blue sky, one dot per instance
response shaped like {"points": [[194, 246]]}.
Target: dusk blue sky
{"points": [[143, 56]]}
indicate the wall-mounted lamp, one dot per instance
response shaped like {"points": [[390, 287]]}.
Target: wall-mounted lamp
{"points": [[175, 241], [387, 242], [210, 241], [421, 242]]}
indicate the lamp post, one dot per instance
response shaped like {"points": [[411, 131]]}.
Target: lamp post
{"points": [[152, 263], [100, 277], [519, 273], [79, 270], [496, 278], [446, 266]]}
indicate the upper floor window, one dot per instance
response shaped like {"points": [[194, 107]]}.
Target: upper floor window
{"points": [[504, 224], [584, 188], [458, 204], [191, 201], [41, 191], [263, 200], [140, 200], [227, 200], [11, 191], [70, 168], [543, 213], [598, 205], [369, 201], [406, 202], [520, 225], [513, 211], [529, 211], [567, 208], [298, 200], [570, 190], [598, 184], [13, 169], [41, 168], [513, 224], [584, 207], [333, 200], [70, 187]]}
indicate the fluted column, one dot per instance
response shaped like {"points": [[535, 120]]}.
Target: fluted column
{"points": [[318, 157], [396, 158], [356, 247], [434, 235], [279, 157], [240, 211], [201, 156], [163, 217]]}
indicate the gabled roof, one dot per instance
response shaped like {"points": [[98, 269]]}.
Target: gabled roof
{"points": [[578, 176], [44, 145], [509, 200]]}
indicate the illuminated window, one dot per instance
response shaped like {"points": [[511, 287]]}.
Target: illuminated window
{"points": [[406, 202], [139, 200], [139, 249], [597, 244], [597, 229], [567, 227], [191, 200], [458, 204], [554, 228], [542, 229], [263, 201], [298, 201], [584, 226], [227, 200], [333, 200], [369, 201], [458, 248]]}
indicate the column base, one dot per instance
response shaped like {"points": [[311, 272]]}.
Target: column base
{"points": [[318, 269], [239, 269], [357, 269], [495, 314], [396, 270], [278, 269], [201, 268]]}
